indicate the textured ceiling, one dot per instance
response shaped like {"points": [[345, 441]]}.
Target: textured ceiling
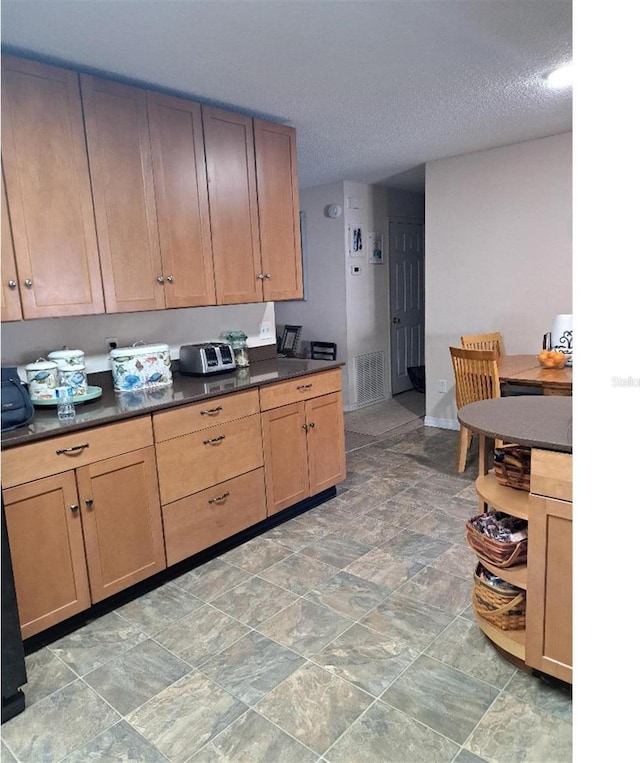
{"points": [[374, 88]]}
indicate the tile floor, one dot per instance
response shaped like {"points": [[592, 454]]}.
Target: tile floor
{"points": [[343, 635]]}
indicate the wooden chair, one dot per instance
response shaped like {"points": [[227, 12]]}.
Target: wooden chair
{"points": [[323, 350], [491, 341], [476, 376]]}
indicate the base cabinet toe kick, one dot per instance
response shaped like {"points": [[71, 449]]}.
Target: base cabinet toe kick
{"points": [[94, 512]]}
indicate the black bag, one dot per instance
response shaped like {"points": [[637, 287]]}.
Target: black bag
{"points": [[17, 408]]}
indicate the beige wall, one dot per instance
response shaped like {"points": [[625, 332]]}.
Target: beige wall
{"points": [[498, 253]]}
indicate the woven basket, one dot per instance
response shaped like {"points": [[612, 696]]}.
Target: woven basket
{"points": [[504, 607], [499, 553], [512, 466]]}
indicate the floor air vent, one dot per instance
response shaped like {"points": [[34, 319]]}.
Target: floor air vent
{"points": [[369, 378]]}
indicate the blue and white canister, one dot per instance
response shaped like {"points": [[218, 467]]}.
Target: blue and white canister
{"points": [[141, 366], [71, 370], [42, 378]]}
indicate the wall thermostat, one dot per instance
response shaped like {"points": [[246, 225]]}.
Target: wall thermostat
{"points": [[334, 210]]}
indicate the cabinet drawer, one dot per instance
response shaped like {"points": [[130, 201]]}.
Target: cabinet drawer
{"points": [[198, 521], [551, 474], [207, 413], [197, 461], [59, 454], [301, 388]]}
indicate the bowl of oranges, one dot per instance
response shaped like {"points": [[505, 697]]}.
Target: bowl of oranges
{"points": [[552, 359]]}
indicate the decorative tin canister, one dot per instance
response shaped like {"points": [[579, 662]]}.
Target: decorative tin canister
{"points": [[42, 378], [71, 370], [141, 366]]}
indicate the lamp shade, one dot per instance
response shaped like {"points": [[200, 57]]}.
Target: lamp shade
{"points": [[562, 335]]}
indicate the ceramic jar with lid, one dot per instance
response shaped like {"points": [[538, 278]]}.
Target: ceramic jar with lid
{"points": [[141, 366], [42, 378], [71, 370]]}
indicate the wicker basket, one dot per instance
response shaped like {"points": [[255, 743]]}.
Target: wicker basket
{"points": [[512, 466], [499, 553], [503, 606]]}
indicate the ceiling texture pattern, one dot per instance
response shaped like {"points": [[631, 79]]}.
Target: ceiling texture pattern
{"points": [[375, 88]]}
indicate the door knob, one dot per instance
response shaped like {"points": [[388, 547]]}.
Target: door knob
{"points": [[396, 320]]}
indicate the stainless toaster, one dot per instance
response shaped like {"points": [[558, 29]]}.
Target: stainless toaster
{"points": [[205, 358]]}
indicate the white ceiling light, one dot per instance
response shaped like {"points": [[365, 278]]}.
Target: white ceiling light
{"points": [[561, 77]]}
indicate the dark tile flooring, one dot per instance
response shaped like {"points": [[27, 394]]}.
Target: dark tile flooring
{"points": [[343, 635]]}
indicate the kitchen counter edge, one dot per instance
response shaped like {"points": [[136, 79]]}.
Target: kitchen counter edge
{"points": [[117, 406], [538, 421]]}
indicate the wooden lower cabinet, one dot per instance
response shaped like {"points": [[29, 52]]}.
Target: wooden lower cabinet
{"points": [[304, 450], [47, 551], [549, 587], [208, 517], [546, 642], [82, 535]]}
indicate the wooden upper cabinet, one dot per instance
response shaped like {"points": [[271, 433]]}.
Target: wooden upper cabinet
{"points": [[278, 210], [11, 308], [179, 172], [48, 190], [121, 174], [233, 206]]}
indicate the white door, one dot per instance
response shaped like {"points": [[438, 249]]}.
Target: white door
{"points": [[407, 309]]}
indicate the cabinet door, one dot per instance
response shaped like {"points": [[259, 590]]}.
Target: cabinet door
{"points": [[549, 587], [284, 442], [120, 159], [325, 441], [233, 206], [278, 210], [11, 308], [180, 182], [48, 190], [45, 536], [122, 521]]}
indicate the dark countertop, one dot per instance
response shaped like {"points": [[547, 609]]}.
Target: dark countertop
{"points": [[539, 421], [117, 406]]}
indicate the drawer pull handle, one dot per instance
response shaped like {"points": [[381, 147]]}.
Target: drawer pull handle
{"points": [[213, 439], [219, 498], [72, 449], [74, 508], [303, 387], [211, 411]]}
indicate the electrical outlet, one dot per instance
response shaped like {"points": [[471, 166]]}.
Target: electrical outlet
{"points": [[265, 329], [442, 386], [111, 342]]}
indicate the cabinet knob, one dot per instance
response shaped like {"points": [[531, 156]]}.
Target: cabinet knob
{"points": [[305, 427], [260, 276], [160, 279], [89, 502], [170, 279], [311, 425], [267, 275], [28, 283], [74, 507], [12, 284]]}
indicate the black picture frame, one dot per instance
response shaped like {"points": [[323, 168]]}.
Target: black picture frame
{"points": [[290, 340]]}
